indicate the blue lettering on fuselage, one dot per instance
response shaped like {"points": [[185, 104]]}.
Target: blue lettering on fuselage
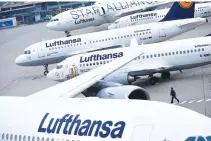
{"points": [[142, 15], [84, 20], [96, 57], [60, 42], [74, 125]]}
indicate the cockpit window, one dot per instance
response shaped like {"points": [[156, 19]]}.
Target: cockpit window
{"points": [[59, 66], [27, 52], [53, 20], [116, 22]]}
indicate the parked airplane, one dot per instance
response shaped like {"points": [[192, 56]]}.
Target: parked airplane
{"points": [[49, 115], [158, 58], [56, 50], [100, 13], [201, 10]]}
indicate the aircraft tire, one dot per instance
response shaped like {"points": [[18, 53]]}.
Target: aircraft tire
{"points": [[165, 75], [45, 73], [153, 80]]}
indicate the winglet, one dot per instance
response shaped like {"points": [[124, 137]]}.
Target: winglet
{"points": [[133, 43]]}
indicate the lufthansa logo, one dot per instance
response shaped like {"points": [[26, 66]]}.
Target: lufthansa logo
{"points": [[185, 4]]}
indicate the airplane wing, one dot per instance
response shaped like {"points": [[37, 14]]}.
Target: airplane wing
{"points": [[149, 68], [141, 9], [75, 86], [92, 50]]}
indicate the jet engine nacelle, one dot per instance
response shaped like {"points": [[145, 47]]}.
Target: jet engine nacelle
{"points": [[120, 77], [124, 92]]}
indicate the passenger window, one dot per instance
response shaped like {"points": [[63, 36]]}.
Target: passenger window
{"points": [[20, 137], [169, 53], [155, 55], [184, 51], [24, 138], [162, 54], [103, 40], [11, 137], [199, 50], [151, 56], [7, 137], [101, 62], [202, 49], [90, 64], [104, 62], [52, 139], [187, 51], [94, 63], [16, 137], [97, 63], [147, 56], [158, 55], [47, 139], [166, 54], [43, 139], [38, 138], [176, 52], [87, 64], [191, 50], [29, 138], [143, 57], [195, 50], [33, 139], [172, 53], [180, 52]]}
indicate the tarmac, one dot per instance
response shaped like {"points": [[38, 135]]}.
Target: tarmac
{"points": [[193, 87]]}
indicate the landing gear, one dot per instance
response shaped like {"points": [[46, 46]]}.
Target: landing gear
{"points": [[46, 70], [67, 33], [165, 75], [153, 80]]}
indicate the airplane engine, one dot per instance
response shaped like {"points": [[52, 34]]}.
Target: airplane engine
{"points": [[120, 77], [124, 92]]}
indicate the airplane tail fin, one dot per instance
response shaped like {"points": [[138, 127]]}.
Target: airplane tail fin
{"points": [[180, 10], [208, 35]]}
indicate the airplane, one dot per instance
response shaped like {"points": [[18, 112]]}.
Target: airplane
{"points": [[160, 58], [56, 50], [54, 115], [202, 10], [98, 14]]}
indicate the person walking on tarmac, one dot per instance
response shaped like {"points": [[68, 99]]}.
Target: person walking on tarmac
{"points": [[173, 95]]}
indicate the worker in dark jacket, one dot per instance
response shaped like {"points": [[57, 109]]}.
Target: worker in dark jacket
{"points": [[173, 95]]}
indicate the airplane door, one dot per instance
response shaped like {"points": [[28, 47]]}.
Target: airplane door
{"points": [[142, 132], [40, 52], [162, 32]]}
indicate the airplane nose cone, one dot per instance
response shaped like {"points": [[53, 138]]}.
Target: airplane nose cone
{"points": [[18, 61], [49, 26]]}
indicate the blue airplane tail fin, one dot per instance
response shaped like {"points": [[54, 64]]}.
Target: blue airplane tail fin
{"points": [[208, 34], [180, 10]]}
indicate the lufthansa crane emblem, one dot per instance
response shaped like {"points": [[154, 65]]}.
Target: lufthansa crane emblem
{"points": [[185, 4]]}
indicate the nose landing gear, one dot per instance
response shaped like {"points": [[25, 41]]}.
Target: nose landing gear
{"points": [[67, 33], [46, 70]]}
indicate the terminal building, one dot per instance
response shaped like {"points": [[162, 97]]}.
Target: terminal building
{"points": [[32, 12]]}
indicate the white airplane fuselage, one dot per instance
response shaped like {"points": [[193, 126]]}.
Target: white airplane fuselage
{"points": [[84, 119], [56, 50], [94, 15], [201, 10], [170, 55]]}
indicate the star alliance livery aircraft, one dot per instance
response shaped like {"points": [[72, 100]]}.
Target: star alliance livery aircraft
{"points": [[50, 115], [158, 58], [202, 10], [98, 14], [56, 50]]}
